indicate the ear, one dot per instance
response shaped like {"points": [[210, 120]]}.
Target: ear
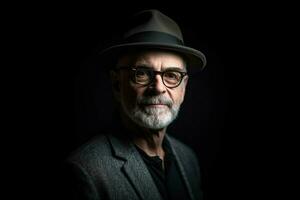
{"points": [[185, 80], [115, 81], [184, 84]]}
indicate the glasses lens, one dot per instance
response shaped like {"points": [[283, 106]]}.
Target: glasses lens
{"points": [[143, 76], [171, 78]]}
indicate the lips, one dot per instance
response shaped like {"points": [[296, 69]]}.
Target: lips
{"points": [[154, 105], [155, 102]]}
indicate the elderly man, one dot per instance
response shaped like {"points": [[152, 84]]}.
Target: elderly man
{"points": [[137, 159]]}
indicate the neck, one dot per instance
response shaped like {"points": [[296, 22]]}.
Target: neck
{"points": [[149, 140], [151, 145]]}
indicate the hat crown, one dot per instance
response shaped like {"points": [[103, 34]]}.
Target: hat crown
{"points": [[153, 21], [151, 29]]}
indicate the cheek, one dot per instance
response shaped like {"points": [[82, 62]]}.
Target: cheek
{"points": [[129, 93]]}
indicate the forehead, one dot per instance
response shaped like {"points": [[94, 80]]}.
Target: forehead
{"points": [[152, 58]]}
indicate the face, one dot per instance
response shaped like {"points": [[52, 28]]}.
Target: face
{"points": [[152, 106]]}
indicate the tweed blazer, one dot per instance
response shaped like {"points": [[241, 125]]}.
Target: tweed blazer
{"points": [[108, 167]]}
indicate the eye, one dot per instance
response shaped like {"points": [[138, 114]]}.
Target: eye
{"points": [[142, 75], [172, 75], [141, 72]]}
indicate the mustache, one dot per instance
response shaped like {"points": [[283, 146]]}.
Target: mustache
{"points": [[155, 100]]}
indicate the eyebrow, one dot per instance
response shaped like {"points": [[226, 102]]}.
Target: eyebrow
{"points": [[174, 68], [167, 69]]}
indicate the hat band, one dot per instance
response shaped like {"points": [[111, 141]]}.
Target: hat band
{"points": [[154, 37]]}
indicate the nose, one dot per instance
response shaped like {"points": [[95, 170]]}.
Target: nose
{"points": [[157, 85]]}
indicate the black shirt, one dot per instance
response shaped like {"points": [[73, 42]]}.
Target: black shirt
{"points": [[168, 181]]}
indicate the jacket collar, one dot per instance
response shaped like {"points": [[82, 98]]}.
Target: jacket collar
{"points": [[180, 166], [136, 170]]}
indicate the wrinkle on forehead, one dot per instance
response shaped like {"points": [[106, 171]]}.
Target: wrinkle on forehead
{"points": [[156, 59]]}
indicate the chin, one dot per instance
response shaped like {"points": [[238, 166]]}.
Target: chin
{"points": [[152, 119]]}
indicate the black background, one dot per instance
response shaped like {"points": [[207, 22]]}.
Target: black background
{"points": [[61, 97]]}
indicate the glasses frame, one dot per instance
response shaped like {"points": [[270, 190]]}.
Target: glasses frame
{"points": [[154, 73]]}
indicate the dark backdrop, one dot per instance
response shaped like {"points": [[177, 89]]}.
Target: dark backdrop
{"points": [[64, 96]]}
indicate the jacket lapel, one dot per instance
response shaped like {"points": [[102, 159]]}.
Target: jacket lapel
{"points": [[181, 169], [135, 169]]}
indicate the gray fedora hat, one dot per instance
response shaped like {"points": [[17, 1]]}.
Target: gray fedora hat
{"points": [[151, 29]]}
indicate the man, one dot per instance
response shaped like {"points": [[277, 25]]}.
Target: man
{"points": [[137, 159]]}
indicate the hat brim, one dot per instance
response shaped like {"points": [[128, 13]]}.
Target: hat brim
{"points": [[194, 58]]}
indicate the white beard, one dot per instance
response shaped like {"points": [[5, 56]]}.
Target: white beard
{"points": [[151, 117]]}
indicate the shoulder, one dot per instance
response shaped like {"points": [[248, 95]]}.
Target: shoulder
{"points": [[94, 150], [85, 165]]}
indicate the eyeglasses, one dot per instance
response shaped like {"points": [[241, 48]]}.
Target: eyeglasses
{"points": [[145, 76]]}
